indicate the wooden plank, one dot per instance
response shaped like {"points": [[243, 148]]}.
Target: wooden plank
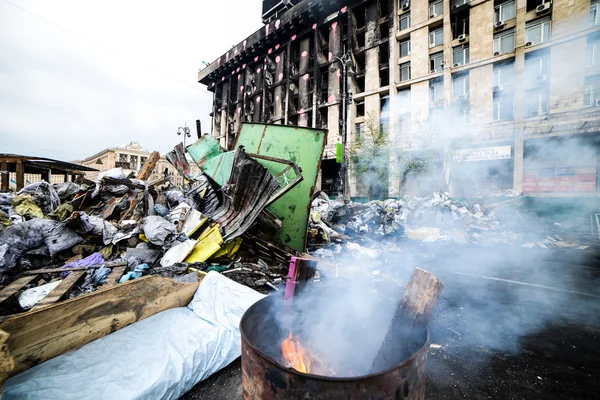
{"points": [[149, 166], [20, 176], [61, 291], [414, 310], [5, 176], [42, 334], [10, 290], [114, 276], [7, 364], [82, 268]]}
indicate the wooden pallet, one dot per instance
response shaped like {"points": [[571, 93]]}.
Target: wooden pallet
{"points": [[62, 291]]}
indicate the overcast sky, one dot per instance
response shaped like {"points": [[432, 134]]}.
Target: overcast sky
{"points": [[133, 77]]}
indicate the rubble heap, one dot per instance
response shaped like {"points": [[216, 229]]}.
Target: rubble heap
{"points": [[433, 218], [88, 235]]}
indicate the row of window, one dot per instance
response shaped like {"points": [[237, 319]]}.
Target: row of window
{"points": [[460, 56], [536, 95], [537, 31]]}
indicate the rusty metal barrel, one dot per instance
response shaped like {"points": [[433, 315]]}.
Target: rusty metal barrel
{"points": [[264, 377]]}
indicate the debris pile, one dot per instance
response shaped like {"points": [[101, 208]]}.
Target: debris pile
{"points": [[61, 241], [434, 218]]}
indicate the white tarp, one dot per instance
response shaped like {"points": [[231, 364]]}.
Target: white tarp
{"points": [[161, 357]]}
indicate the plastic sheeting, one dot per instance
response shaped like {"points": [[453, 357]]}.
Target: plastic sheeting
{"points": [[161, 357], [66, 190], [43, 195], [116, 173], [159, 231], [17, 239]]}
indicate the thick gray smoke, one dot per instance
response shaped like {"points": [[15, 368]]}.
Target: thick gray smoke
{"points": [[496, 294]]}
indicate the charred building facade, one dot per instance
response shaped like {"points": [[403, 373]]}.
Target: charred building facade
{"points": [[496, 94]]}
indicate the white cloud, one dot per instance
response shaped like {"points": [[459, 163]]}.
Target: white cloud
{"points": [[67, 98]]}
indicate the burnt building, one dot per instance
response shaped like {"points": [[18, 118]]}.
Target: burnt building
{"points": [[496, 94]]}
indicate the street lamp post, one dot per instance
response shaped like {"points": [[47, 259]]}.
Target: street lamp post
{"points": [[185, 131], [347, 64]]}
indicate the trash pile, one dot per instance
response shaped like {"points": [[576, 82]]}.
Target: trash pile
{"points": [[434, 218], [60, 241]]}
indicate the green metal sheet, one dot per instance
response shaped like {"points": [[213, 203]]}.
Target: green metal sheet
{"points": [[303, 146], [204, 149]]}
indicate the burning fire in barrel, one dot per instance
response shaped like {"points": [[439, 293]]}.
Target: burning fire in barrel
{"points": [[282, 358]]}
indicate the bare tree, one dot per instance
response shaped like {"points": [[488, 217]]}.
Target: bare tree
{"points": [[369, 156]]}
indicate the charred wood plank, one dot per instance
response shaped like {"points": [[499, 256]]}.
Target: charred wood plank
{"points": [[414, 310]]}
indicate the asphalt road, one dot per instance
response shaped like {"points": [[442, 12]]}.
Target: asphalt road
{"points": [[522, 326]]}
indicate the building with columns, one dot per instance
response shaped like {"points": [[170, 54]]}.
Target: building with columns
{"points": [[495, 94]]}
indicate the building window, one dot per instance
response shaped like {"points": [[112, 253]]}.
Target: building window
{"points": [[436, 62], [536, 102], [460, 25], [133, 160], [404, 21], [504, 75], [460, 86], [503, 107], [537, 67], [436, 37], [436, 91], [403, 125], [404, 101], [591, 95], [384, 125], [360, 108], [405, 71], [538, 31], [436, 8], [360, 130], [593, 52], [595, 18], [504, 42], [505, 11], [461, 55], [405, 48], [384, 103]]}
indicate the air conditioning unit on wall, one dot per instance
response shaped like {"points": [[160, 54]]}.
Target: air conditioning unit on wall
{"points": [[499, 24], [406, 6], [542, 8], [462, 38], [597, 102]]}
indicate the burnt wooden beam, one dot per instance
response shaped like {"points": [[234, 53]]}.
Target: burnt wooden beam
{"points": [[4, 176], [414, 310], [20, 175]]}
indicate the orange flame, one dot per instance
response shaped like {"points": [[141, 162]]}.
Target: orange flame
{"points": [[294, 353]]}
